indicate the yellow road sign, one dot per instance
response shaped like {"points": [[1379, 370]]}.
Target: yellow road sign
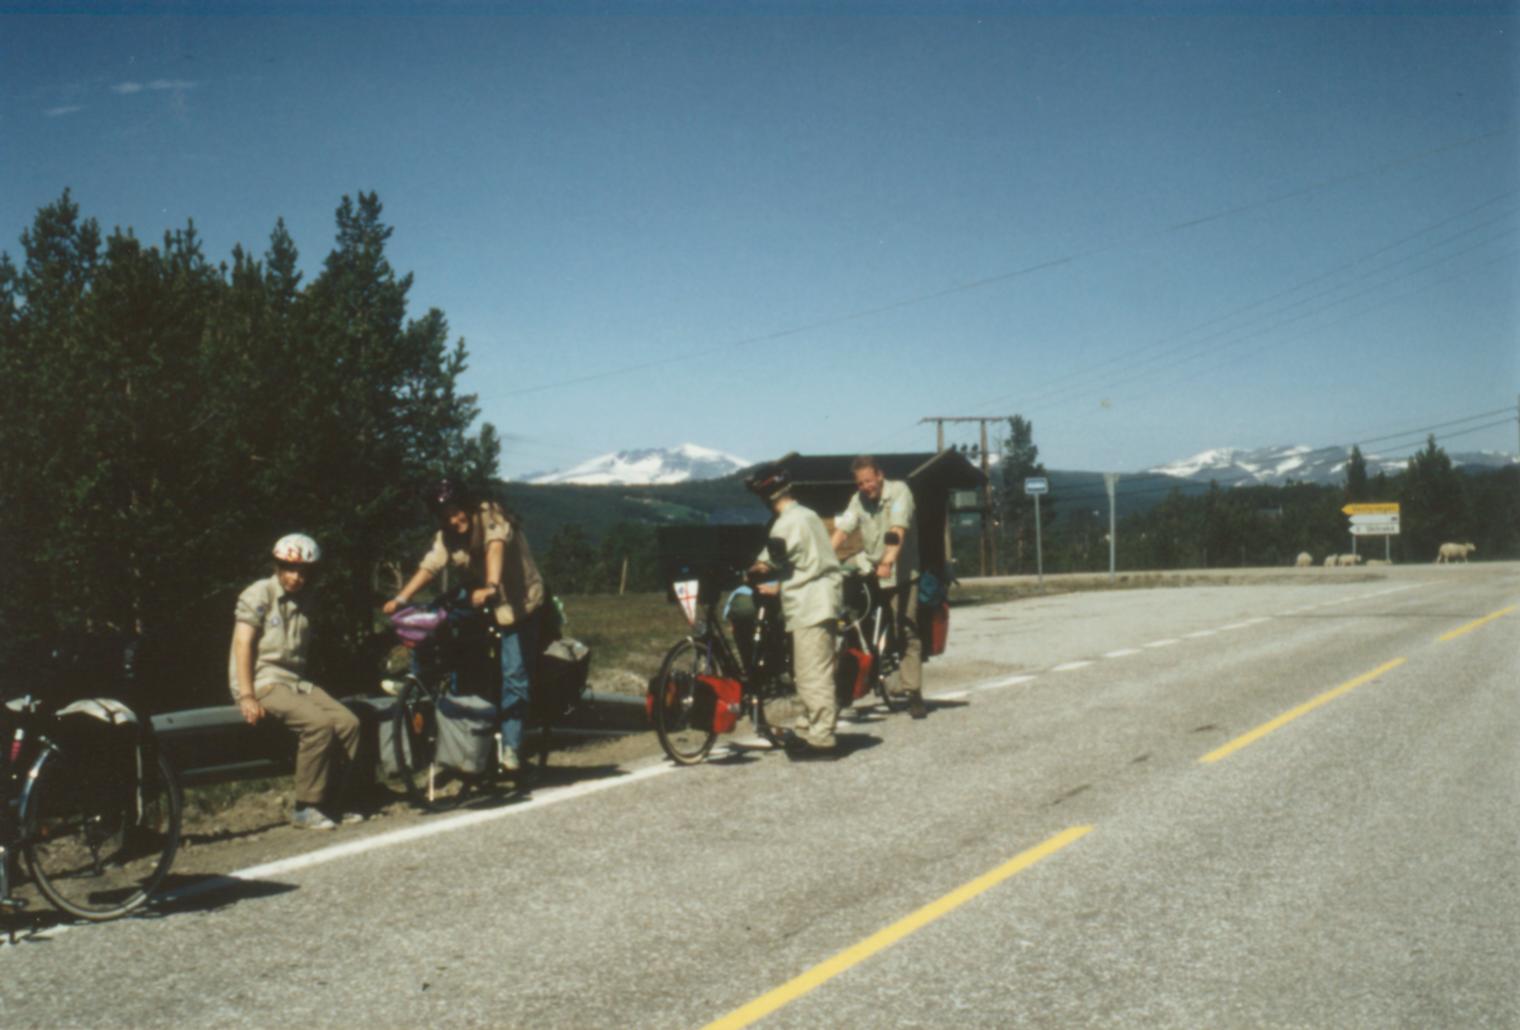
{"points": [[1371, 509]]}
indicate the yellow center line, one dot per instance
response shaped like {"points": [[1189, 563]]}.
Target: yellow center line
{"points": [[882, 939], [1293, 713], [1460, 630]]}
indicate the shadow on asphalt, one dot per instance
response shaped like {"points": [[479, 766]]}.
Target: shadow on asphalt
{"points": [[208, 893]]}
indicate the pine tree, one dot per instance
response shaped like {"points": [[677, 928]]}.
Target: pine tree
{"points": [[1357, 487], [1021, 460], [1432, 504]]}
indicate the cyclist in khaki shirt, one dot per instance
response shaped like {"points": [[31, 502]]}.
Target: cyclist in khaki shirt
{"points": [[811, 596], [883, 511], [266, 671]]}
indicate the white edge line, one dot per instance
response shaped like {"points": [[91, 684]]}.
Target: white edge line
{"points": [[1011, 681], [431, 829], [1122, 652], [1202, 633], [1070, 666], [1162, 643]]}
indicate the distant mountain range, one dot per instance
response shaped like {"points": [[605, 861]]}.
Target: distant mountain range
{"points": [[1228, 466], [653, 466], [1275, 466]]}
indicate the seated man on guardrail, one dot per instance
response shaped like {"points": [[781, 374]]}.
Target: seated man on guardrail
{"points": [[811, 596], [267, 671], [884, 512]]}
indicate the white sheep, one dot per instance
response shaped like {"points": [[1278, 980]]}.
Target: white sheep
{"points": [[1304, 560], [1454, 552], [1348, 559], [1329, 561]]}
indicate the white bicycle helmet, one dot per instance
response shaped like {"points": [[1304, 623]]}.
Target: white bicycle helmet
{"points": [[297, 549]]}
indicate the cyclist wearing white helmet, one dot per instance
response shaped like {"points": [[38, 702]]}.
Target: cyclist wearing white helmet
{"points": [[267, 674]]}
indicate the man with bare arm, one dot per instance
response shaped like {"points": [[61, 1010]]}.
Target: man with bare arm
{"points": [[882, 510]]}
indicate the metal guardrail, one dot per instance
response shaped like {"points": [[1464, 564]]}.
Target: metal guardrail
{"points": [[215, 745]]}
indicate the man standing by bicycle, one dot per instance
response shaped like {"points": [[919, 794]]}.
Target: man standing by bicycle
{"points": [[267, 670], [883, 511], [811, 595]]}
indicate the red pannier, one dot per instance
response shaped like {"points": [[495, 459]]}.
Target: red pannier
{"points": [[852, 675], [716, 703], [938, 634]]}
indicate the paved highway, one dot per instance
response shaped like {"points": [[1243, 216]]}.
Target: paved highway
{"points": [[1292, 803]]}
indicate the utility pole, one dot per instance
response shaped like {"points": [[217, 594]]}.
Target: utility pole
{"points": [[1110, 479], [989, 551]]}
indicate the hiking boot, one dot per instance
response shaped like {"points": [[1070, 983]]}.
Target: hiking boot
{"points": [[311, 819], [510, 760], [351, 818], [916, 706]]}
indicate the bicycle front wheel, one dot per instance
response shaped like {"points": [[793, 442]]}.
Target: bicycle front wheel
{"points": [[674, 698], [414, 738], [99, 847]]}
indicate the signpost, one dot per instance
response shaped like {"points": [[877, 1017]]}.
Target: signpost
{"points": [[1374, 519], [1036, 486]]}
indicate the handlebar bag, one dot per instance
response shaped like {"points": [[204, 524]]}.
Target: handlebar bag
{"points": [[416, 625]]}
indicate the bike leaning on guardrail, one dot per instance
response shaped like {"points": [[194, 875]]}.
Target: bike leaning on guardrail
{"points": [[89, 803]]}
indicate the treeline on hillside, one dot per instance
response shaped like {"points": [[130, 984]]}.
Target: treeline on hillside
{"points": [[1271, 526], [164, 418]]}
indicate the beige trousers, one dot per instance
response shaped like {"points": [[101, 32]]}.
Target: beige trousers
{"points": [[318, 721], [904, 602], [813, 669]]}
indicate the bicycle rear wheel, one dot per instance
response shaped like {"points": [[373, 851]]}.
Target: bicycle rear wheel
{"points": [[414, 721], [97, 847], [685, 743]]}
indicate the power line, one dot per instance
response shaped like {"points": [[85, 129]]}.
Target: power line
{"points": [[1003, 277]]}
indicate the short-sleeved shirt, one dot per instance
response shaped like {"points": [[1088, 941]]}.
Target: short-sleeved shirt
{"points": [[812, 592], [282, 628], [522, 586], [875, 518]]}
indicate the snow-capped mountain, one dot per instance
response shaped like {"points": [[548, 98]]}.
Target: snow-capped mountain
{"points": [[651, 466], [1274, 466]]}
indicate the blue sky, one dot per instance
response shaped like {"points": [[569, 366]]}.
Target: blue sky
{"points": [[1150, 229]]}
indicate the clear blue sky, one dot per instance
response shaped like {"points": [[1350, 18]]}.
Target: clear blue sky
{"points": [[1151, 229]]}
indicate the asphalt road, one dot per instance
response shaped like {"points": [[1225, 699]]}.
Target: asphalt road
{"points": [[1284, 804]]}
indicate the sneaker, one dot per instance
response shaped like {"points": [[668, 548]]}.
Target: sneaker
{"points": [[351, 818], [311, 819], [510, 761], [916, 706]]}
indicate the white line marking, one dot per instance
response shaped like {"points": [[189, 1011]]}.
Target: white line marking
{"points": [[1202, 633], [1123, 652], [1011, 681], [1069, 666], [1248, 622], [1163, 643], [953, 695], [464, 820]]}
